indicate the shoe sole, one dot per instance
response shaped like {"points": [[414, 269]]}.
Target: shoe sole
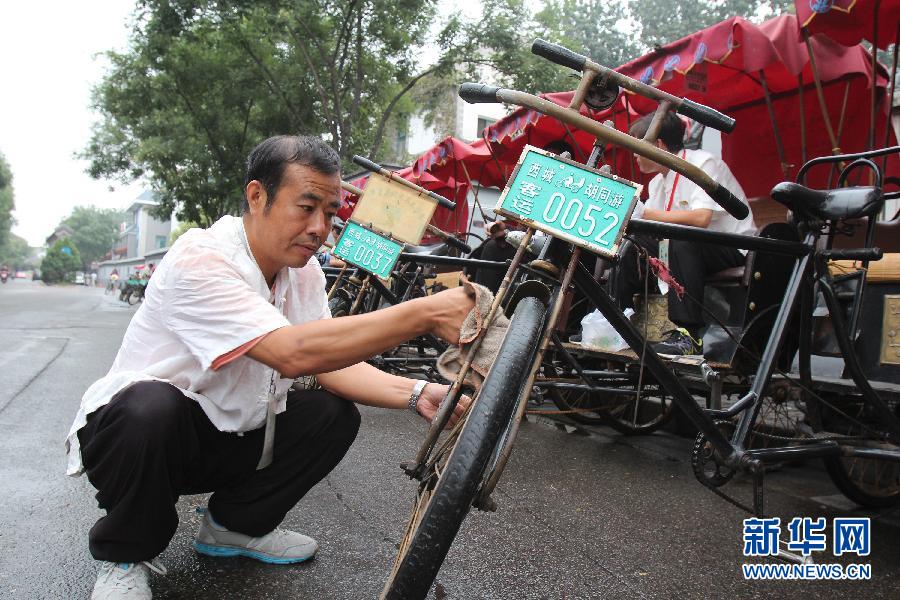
{"points": [[228, 551]]}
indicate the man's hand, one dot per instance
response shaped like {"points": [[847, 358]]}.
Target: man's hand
{"points": [[430, 401], [448, 310]]}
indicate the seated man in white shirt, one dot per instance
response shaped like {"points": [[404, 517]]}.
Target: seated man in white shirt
{"points": [[676, 199], [199, 397]]}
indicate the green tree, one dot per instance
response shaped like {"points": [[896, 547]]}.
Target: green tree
{"points": [[7, 202], [61, 262], [93, 231], [16, 253], [203, 82], [664, 21]]}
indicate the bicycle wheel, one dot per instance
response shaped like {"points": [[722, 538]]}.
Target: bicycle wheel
{"points": [[446, 494], [869, 482], [579, 405], [634, 414], [339, 306]]}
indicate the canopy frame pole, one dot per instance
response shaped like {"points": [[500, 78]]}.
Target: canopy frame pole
{"points": [[628, 122], [888, 125], [779, 145], [802, 120], [475, 200], [835, 149], [874, 75], [496, 162], [575, 145]]}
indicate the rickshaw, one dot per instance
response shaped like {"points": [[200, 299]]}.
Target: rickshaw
{"points": [[849, 422]]}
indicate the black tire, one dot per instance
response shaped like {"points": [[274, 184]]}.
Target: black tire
{"points": [[868, 482], [462, 475], [339, 306]]}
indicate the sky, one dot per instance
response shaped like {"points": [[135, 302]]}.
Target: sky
{"points": [[48, 65]]}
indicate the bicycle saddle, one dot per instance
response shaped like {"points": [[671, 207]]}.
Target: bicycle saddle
{"points": [[842, 203]]}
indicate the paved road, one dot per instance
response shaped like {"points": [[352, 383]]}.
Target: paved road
{"points": [[581, 515]]}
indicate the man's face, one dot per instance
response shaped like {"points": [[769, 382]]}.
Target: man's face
{"points": [[499, 231], [297, 223], [646, 165]]}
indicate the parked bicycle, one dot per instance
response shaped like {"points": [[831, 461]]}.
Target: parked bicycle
{"points": [[853, 427]]}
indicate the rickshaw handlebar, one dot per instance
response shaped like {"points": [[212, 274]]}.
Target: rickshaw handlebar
{"points": [[368, 165], [693, 110], [477, 92]]}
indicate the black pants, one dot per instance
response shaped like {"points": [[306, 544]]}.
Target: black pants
{"points": [[151, 444], [689, 263]]}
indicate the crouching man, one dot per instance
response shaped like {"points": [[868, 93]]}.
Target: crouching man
{"points": [[199, 400]]}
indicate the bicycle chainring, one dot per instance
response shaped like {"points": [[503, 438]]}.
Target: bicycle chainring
{"points": [[708, 466]]}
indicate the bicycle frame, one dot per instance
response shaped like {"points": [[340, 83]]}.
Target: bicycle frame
{"points": [[808, 260]]}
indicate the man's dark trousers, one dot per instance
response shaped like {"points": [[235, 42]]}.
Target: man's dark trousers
{"points": [[151, 444], [689, 262]]}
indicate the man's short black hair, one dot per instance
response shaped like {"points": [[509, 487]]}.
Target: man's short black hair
{"points": [[267, 161], [671, 133]]}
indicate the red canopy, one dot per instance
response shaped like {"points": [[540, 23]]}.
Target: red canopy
{"points": [[508, 136], [851, 21], [721, 66]]}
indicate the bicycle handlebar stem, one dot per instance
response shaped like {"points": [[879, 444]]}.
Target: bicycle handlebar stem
{"points": [[693, 110]]}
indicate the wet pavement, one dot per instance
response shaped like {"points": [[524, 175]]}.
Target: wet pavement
{"points": [[581, 514]]}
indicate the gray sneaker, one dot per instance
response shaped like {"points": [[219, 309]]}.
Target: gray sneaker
{"points": [[125, 580], [278, 547]]}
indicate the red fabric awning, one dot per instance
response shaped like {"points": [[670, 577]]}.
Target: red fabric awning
{"points": [[720, 66], [851, 21]]}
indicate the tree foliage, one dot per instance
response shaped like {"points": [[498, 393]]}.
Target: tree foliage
{"points": [[7, 202], [16, 253], [93, 231], [61, 262], [203, 82]]}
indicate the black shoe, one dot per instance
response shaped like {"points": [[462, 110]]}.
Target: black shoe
{"points": [[678, 342]]}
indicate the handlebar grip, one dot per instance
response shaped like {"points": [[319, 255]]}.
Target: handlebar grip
{"points": [[478, 93], [366, 164], [458, 244], [730, 202], [706, 115], [874, 253], [558, 54]]}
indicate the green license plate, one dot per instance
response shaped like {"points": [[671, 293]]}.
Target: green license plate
{"points": [[569, 201], [368, 250]]}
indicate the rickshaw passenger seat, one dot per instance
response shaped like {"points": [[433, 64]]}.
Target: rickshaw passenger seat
{"points": [[842, 203], [735, 275]]}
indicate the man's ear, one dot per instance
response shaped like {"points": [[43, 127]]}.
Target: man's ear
{"points": [[256, 196]]}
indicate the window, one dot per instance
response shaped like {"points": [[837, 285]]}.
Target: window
{"points": [[484, 122], [161, 241]]}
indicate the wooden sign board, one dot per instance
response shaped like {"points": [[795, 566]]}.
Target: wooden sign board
{"points": [[394, 209]]}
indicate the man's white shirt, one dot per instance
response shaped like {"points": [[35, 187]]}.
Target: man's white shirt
{"points": [[690, 196], [207, 298]]}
